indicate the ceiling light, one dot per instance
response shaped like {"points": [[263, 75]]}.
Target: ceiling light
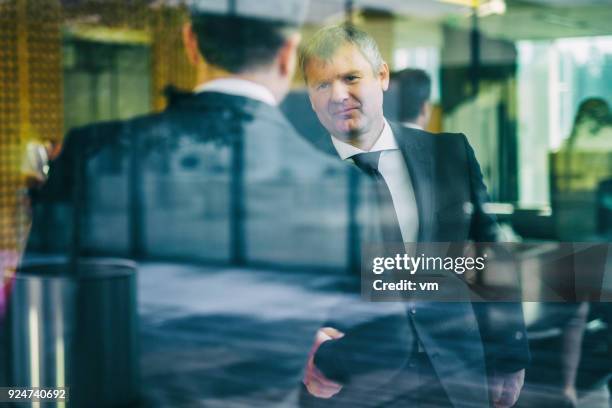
{"points": [[492, 7], [484, 7]]}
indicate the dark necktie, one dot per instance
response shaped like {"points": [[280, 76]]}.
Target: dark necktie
{"points": [[368, 163]]}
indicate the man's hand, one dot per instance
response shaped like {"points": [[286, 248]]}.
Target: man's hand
{"points": [[505, 388], [314, 380]]}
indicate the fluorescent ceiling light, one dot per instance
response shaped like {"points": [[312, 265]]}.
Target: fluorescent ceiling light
{"points": [[484, 7], [465, 3], [492, 7]]}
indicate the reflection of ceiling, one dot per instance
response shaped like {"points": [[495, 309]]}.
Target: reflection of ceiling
{"points": [[568, 3], [537, 22], [321, 10], [524, 19]]}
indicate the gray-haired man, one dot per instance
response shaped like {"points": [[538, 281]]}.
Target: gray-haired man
{"points": [[429, 354]]}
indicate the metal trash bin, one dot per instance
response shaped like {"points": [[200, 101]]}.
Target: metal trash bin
{"points": [[76, 330]]}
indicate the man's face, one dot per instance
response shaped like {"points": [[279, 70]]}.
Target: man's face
{"points": [[346, 93]]}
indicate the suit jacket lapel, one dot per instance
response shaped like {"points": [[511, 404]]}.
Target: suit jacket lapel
{"points": [[418, 152]]}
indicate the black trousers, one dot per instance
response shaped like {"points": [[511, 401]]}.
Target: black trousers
{"points": [[416, 385]]}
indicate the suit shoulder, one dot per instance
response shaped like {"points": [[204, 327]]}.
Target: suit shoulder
{"points": [[146, 120], [457, 140], [443, 137], [453, 145], [451, 137], [105, 126], [92, 134], [114, 126]]}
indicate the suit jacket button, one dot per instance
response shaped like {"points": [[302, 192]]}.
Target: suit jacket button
{"points": [[518, 335]]}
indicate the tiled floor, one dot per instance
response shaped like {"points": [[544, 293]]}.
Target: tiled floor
{"points": [[229, 337], [216, 337]]}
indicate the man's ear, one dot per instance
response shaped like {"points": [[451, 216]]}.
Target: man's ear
{"points": [[426, 112], [190, 41], [287, 55], [383, 75]]}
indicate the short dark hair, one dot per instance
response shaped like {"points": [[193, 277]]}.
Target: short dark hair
{"points": [[239, 44], [415, 91]]}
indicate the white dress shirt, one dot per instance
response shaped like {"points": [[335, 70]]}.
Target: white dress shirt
{"points": [[394, 171], [239, 87]]}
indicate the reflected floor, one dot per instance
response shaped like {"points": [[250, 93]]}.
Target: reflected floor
{"points": [[190, 325]]}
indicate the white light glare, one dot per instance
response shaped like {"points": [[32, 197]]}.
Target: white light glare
{"points": [[492, 7]]}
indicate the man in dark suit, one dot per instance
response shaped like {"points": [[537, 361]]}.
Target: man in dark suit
{"points": [[424, 353], [245, 59]]}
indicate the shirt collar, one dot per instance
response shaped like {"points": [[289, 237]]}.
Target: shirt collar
{"points": [[412, 125], [239, 87], [386, 141]]}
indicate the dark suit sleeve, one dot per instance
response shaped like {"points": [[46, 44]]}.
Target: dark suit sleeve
{"points": [[79, 145], [483, 227], [502, 325], [372, 351]]}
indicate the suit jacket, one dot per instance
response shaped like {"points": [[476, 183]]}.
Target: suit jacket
{"points": [[247, 146], [241, 148], [464, 341]]}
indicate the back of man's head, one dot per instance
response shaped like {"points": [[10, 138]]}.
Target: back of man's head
{"points": [[244, 35], [415, 91]]}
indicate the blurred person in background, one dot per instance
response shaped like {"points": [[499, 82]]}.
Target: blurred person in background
{"points": [[592, 128], [415, 94], [28, 167], [591, 132], [29, 170]]}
